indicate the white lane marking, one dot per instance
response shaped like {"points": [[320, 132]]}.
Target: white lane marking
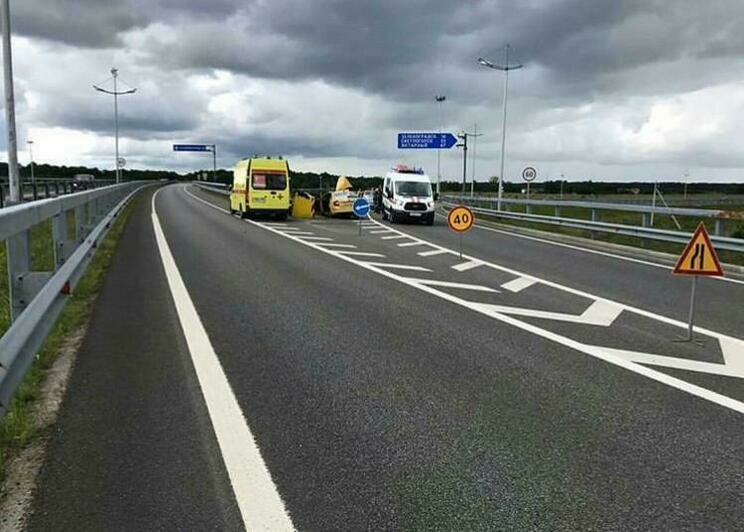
{"points": [[393, 237], [276, 224], [599, 313], [465, 266], [295, 232], [313, 238], [594, 351], [360, 253], [410, 244], [330, 245], [378, 232], [593, 251], [519, 284], [398, 266], [447, 284], [432, 252], [676, 363], [260, 504]]}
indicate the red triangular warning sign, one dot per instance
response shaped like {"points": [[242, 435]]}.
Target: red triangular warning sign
{"points": [[699, 257]]}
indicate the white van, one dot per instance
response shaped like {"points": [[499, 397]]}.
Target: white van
{"points": [[407, 195]]}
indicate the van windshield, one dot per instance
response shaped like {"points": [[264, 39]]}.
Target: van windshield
{"points": [[412, 188], [269, 181]]}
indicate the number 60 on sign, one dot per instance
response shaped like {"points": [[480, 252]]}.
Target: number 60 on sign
{"points": [[460, 219]]}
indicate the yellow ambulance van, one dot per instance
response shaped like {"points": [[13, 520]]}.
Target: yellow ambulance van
{"points": [[260, 186]]}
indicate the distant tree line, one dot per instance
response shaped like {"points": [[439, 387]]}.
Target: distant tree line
{"points": [[325, 180]]}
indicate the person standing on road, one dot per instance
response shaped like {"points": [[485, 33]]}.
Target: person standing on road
{"points": [[377, 200]]}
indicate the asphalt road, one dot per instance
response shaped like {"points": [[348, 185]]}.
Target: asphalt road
{"points": [[408, 395]]}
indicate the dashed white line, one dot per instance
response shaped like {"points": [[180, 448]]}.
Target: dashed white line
{"points": [[360, 253], [433, 252], [261, 507], [465, 266], [519, 284], [331, 245], [447, 284], [399, 266], [313, 238]]}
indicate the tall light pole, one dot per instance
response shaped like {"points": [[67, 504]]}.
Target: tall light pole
{"points": [[14, 181], [464, 145], [505, 68], [116, 93], [31, 158], [440, 100], [475, 136]]}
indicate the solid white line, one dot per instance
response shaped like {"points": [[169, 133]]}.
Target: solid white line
{"points": [[297, 232], [519, 284], [410, 244], [447, 284], [379, 232], [398, 266], [330, 245], [465, 266], [313, 238], [259, 502], [433, 252], [360, 253], [394, 237]]}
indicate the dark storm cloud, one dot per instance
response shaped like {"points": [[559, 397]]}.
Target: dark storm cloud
{"points": [[395, 48]]}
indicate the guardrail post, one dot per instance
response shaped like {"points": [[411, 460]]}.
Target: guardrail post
{"points": [[720, 227], [63, 245], [34, 192], [595, 218], [644, 220], [528, 207], [557, 212], [18, 248], [82, 222]]}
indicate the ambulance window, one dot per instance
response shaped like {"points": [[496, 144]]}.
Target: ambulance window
{"points": [[259, 181], [270, 181]]}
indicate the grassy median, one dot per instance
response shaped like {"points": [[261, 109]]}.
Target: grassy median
{"points": [[17, 427]]}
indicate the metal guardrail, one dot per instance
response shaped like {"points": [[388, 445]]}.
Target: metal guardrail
{"points": [[38, 297], [49, 187], [721, 242], [220, 188]]}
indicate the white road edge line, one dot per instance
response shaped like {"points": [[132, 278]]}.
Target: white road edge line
{"points": [[260, 504], [594, 351]]}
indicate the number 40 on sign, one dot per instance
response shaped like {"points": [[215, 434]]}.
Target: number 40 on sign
{"points": [[460, 219]]}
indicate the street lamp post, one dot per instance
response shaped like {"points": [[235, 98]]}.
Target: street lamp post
{"points": [[14, 181], [116, 93], [439, 100], [504, 68], [31, 159]]}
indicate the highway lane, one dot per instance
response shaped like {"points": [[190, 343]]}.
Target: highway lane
{"points": [[133, 448], [376, 404]]}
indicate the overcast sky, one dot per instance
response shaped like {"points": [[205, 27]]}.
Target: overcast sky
{"points": [[610, 89]]}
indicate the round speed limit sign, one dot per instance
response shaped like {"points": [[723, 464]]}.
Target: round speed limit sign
{"points": [[460, 219], [529, 174]]}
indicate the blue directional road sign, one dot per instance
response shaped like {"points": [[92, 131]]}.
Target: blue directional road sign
{"points": [[361, 207], [426, 141], [192, 147]]}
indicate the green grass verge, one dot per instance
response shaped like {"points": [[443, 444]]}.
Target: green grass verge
{"points": [[16, 428]]}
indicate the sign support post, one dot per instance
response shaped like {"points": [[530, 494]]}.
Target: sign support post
{"points": [[698, 258], [692, 309]]}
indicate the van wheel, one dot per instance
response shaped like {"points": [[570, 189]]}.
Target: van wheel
{"points": [[384, 214], [393, 218], [430, 220], [281, 216]]}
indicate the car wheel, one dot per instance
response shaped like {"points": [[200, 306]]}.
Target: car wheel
{"points": [[430, 220], [393, 218]]}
